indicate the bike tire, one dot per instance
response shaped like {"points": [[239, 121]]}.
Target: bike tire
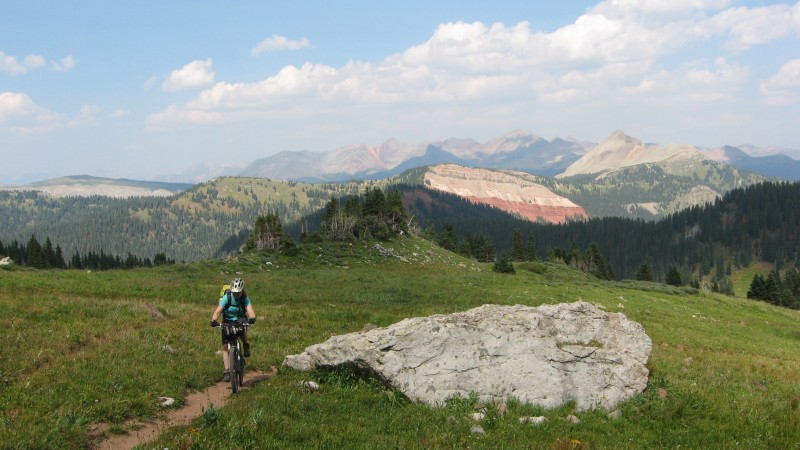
{"points": [[233, 357], [240, 371]]}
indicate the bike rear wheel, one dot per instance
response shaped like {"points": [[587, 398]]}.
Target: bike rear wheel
{"points": [[233, 366]]}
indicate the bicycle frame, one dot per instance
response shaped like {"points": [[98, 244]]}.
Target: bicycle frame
{"points": [[236, 360]]}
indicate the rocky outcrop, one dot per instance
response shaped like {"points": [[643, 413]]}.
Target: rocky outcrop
{"points": [[517, 193], [547, 355]]}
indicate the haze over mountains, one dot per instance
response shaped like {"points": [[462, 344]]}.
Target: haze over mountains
{"points": [[518, 150]]}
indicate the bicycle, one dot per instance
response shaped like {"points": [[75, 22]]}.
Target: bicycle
{"points": [[236, 361]]}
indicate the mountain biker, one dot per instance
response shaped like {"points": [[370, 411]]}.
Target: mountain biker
{"points": [[234, 307]]}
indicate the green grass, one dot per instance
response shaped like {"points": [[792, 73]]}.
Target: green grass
{"points": [[81, 348]]}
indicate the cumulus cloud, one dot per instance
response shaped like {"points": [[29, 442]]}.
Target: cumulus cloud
{"points": [[618, 48], [783, 88], [64, 64], [20, 114], [196, 74], [748, 27], [12, 66], [276, 43]]}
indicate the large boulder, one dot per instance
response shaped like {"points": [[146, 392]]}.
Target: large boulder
{"points": [[547, 355]]}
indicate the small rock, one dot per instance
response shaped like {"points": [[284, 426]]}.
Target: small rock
{"points": [[615, 414], [477, 416], [572, 419], [533, 420], [166, 402], [168, 348], [477, 429], [310, 386]]}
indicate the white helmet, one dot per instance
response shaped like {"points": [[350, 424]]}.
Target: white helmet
{"points": [[237, 285]]}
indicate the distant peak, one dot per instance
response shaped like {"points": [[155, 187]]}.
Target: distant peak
{"points": [[620, 137]]}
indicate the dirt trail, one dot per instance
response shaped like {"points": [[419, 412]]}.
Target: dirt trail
{"points": [[196, 403]]}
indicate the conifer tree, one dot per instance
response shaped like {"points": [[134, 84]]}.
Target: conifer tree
{"points": [[644, 274], [447, 238], [518, 252], [530, 248], [35, 255], [503, 264], [49, 253], [673, 277]]}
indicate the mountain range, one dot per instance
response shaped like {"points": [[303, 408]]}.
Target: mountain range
{"points": [[518, 150]]}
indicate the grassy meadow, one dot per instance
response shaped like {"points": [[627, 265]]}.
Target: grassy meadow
{"points": [[80, 348]]}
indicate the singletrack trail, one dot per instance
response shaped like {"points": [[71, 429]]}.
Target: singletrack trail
{"points": [[196, 403]]}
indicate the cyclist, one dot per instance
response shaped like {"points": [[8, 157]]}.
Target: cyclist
{"points": [[234, 306]]}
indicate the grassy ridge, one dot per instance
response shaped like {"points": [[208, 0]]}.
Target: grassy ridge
{"points": [[81, 348]]}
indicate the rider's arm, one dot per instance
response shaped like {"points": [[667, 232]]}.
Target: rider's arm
{"points": [[217, 312], [250, 313]]}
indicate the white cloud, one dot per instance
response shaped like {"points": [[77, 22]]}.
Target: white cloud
{"points": [[119, 113], [747, 27], [196, 74], [65, 64], [19, 114], [620, 48], [12, 66], [173, 115], [783, 88], [276, 43]]}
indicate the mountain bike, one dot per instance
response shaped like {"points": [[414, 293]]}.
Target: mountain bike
{"points": [[236, 362]]}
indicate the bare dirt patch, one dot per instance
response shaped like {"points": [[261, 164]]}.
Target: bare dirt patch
{"points": [[196, 403]]}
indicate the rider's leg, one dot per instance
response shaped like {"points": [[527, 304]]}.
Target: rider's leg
{"points": [[245, 345], [225, 357]]}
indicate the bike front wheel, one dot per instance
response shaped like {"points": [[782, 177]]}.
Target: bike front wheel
{"points": [[233, 366]]}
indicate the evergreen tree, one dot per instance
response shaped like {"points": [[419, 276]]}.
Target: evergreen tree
{"points": [[49, 253], [268, 234], [644, 274], [673, 277], [76, 262], [447, 237], [530, 248], [35, 254], [59, 261], [503, 264], [483, 250], [758, 288], [518, 252]]}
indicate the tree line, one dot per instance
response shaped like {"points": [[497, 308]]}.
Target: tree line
{"points": [[777, 290], [759, 222], [373, 215], [46, 256]]}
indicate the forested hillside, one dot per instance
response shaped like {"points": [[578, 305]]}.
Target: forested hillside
{"points": [[186, 227], [760, 222]]}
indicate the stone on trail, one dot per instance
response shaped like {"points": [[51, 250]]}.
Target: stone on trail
{"points": [[547, 355]]}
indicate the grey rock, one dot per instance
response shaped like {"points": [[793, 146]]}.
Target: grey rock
{"points": [[547, 355], [538, 420]]}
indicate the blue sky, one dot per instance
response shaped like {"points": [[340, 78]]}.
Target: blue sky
{"points": [[150, 88]]}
